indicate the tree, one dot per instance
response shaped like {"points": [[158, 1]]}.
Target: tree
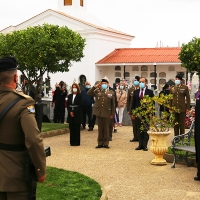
{"points": [[42, 48], [190, 55]]}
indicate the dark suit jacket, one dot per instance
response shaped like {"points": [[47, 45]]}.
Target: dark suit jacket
{"points": [[77, 110], [136, 97]]}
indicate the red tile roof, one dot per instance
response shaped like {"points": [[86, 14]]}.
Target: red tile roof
{"points": [[142, 55]]}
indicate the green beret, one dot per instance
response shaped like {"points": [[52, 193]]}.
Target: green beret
{"points": [[7, 64]]}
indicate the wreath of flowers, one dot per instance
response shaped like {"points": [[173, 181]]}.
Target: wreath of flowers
{"points": [[190, 117]]}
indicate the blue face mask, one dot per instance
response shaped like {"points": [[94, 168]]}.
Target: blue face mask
{"points": [[121, 87], [104, 86], [177, 82], [142, 85], [136, 83], [87, 86]]}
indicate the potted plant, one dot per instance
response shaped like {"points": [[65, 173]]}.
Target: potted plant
{"points": [[158, 127]]}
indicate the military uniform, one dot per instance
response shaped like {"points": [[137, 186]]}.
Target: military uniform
{"points": [[181, 100], [19, 127], [103, 108], [129, 104]]}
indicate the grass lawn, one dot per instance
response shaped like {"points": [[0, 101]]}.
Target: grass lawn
{"points": [[67, 185], [53, 126]]}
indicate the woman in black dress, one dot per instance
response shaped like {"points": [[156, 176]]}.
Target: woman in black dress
{"points": [[74, 114]]}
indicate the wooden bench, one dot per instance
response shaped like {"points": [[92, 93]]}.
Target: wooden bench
{"points": [[181, 146]]}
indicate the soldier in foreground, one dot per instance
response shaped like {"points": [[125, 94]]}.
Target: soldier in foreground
{"points": [[104, 109], [18, 132]]}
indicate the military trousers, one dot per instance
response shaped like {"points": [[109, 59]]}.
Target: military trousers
{"points": [[103, 130], [180, 127], [14, 195]]}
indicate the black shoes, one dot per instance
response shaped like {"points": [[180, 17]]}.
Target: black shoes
{"points": [[102, 146], [115, 130], [90, 129], [99, 146], [138, 148], [196, 178], [133, 140]]}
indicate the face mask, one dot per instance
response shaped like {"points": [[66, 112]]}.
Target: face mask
{"points": [[177, 82], [74, 89], [34, 84], [103, 86], [121, 87], [136, 83], [87, 86], [142, 85]]}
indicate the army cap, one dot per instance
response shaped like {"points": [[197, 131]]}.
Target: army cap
{"points": [[8, 64], [179, 77]]}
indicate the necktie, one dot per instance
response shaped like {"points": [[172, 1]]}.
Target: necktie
{"points": [[141, 93]]}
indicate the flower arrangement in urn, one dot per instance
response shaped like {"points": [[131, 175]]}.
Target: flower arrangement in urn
{"points": [[149, 116], [158, 127]]}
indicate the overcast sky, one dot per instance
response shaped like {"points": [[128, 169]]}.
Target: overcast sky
{"points": [[152, 22]]}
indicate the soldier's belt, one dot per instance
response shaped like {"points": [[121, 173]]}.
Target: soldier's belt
{"points": [[21, 147], [12, 147]]}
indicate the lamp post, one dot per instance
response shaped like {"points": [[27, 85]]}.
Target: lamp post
{"points": [[155, 87], [124, 71]]}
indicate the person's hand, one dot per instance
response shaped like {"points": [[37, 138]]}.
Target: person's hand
{"points": [[52, 105], [128, 112], [98, 85], [71, 114], [111, 117], [132, 117], [42, 178]]}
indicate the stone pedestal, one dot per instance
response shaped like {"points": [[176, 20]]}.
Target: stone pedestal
{"points": [[48, 110]]}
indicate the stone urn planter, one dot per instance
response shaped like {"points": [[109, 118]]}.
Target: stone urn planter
{"points": [[158, 146]]}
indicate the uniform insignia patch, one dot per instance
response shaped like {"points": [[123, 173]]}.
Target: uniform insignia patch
{"points": [[31, 109]]}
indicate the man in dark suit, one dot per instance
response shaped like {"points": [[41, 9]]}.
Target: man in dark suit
{"points": [[131, 90], [143, 137]]}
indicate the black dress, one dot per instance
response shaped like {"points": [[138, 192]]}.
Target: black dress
{"points": [[74, 122]]}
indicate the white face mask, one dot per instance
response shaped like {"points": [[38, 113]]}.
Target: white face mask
{"points": [[74, 89], [177, 82]]}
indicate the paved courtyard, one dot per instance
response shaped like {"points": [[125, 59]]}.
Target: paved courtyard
{"points": [[123, 172]]}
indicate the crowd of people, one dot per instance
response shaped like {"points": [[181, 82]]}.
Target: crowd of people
{"points": [[106, 105], [99, 103]]}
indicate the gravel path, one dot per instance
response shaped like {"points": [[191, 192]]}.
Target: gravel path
{"points": [[123, 172]]}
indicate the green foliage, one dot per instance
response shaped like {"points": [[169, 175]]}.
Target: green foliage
{"points": [[53, 126], [43, 48], [190, 55], [149, 117], [68, 185]]}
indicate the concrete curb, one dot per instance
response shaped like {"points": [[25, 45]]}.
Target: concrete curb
{"points": [[55, 132], [170, 158], [104, 194]]}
